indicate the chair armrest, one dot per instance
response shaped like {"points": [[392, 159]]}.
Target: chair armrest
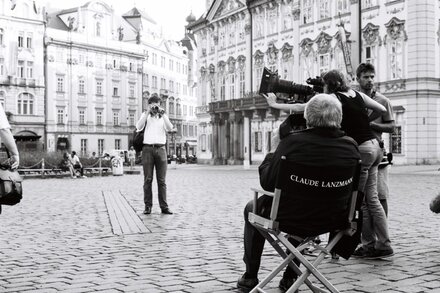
{"points": [[256, 192], [262, 191]]}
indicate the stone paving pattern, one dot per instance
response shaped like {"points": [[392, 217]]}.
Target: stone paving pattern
{"points": [[60, 238]]}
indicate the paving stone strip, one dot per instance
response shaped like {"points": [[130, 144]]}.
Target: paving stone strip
{"points": [[123, 218]]}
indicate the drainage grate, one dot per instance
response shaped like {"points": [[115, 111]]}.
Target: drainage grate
{"points": [[123, 218]]}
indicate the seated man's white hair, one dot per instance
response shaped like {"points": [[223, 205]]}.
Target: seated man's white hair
{"points": [[323, 111]]}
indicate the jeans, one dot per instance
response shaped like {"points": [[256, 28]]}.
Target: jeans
{"points": [[374, 224], [254, 243], [155, 157]]}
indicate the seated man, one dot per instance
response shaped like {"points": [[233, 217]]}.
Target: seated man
{"points": [[321, 144], [76, 163]]}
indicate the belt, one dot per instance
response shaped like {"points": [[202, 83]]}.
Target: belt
{"points": [[155, 145]]}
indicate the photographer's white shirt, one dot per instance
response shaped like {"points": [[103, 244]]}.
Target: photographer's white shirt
{"points": [[156, 128]]}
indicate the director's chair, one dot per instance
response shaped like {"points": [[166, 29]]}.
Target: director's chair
{"points": [[309, 201]]}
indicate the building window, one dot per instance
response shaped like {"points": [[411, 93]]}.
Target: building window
{"points": [[131, 118], [116, 118], [370, 54], [29, 42], [268, 141], [258, 141], [131, 90], [2, 99], [60, 116], [98, 29], [178, 67], [81, 86], [154, 61], [171, 86], [83, 147], [222, 88], [115, 91], [99, 117], [171, 106], [154, 82], [60, 84], [2, 66], [1, 36], [258, 74], [30, 69], [117, 144], [342, 6], [20, 41], [25, 104], [178, 109], [395, 59], [191, 130], [146, 80], [368, 3], [242, 84], [232, 86], [99, 87], [163, 83], [131, 67], [185, 130], [162, 62], [171, 64], [82, 117], [324, 9], [100, 147], [307, 11], [396, 140], [203, 142], [20, 69], [324, 63]]}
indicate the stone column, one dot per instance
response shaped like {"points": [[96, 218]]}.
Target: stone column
{"points": [[214, 121]]}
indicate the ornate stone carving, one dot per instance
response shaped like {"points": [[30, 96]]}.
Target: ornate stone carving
{"points": [[247, 28], [296, 14], [231, 64], [323, 42], [211, 69], [272, 54], [241, 62], [202, 71], [286, 51], [306, 46], [370, 33], [51, 58], [221, 66], [396, 29], [259, 58], [395, 86]]}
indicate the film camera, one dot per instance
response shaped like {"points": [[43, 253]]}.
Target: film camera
{"points": [[270, 82], [298, 93], [156, 110]]}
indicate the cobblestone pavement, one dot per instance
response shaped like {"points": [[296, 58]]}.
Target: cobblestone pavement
{"points": [[60, 238]]}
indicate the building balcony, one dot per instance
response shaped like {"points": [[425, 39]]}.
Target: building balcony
{"points": [[202, 109], [253, 101]]}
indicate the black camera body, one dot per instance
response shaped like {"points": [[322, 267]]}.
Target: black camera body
{"points": [[156, 110], [270, 82]]}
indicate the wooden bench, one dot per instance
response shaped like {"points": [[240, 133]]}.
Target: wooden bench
{"points": [[40, 172], [94, 170]]}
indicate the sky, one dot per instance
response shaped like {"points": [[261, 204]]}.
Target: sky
{"points": [[170, 14]]}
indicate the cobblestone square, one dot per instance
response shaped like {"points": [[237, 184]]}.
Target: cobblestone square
{"points": [[60, 237]]}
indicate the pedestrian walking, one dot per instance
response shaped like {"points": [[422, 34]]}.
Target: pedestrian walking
{"points": [[132, 157], [155, 123]]}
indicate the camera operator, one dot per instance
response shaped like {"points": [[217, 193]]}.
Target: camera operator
{"points": [[154, 154]]}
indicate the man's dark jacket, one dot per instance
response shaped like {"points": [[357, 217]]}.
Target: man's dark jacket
{"points": [[313, 147]]}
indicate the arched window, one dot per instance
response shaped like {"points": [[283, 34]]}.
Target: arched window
{"points": [[25, 104]]}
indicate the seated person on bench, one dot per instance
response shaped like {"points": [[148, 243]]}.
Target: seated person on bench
{"points": [[321, 144]]}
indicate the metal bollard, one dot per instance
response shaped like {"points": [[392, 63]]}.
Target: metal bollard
{"points": [[42, 168]]}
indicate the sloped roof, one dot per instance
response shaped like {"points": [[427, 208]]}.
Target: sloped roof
{"points": [[134, 12]]}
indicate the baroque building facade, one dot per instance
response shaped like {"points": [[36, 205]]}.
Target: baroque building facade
{"points": [[98, 64], [300, 39], [22, 71]]}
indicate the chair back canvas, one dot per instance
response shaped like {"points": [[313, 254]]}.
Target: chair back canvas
{"points": [[314, 199]]}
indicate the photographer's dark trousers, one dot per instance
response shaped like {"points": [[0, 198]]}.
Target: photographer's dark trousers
{"points": [[254, 241], [155, 156]]}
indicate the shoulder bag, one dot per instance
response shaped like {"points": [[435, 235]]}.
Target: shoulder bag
{"points": [[11, 190], [138, 139]]}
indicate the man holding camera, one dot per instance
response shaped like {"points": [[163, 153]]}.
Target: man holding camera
{"points": [[155, 124]]}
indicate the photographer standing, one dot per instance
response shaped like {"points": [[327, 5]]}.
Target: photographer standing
{"points": [[155, 124]]}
